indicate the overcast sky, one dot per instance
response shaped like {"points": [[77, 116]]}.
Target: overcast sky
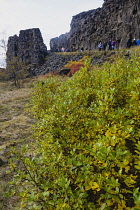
{"points": [[53, 17]]}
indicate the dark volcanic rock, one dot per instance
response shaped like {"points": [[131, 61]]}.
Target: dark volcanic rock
{"points": [[61, 41], [28, 47], [56, 62], [117, 20], [64, 72]]}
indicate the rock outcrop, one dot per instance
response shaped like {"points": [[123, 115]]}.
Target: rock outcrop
{"points": [[55, 62], [58, 42], [117, 20], [28, 47]]}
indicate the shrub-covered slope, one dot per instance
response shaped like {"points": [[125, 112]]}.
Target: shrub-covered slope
{"points": [[86, 153]]}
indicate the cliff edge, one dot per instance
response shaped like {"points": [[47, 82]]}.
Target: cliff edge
{"points": [[117, 20]]}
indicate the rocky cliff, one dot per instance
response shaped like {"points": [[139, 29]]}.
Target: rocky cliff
{"points": [[117, 20], [28, 47]]}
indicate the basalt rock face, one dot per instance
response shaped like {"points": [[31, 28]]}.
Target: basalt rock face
{"points": [[28, 47], [57, 43], [117, 20]]}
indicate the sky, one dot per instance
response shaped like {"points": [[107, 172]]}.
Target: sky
{"points": [[52, 17]]}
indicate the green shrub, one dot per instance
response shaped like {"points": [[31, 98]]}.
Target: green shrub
{"points": [[87, 151]]}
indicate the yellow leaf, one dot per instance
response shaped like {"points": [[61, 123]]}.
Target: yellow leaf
{"points": [[127, 169], [95, 186], [88, 187]]}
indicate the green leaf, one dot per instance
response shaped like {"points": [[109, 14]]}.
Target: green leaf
{"points": [[103, 206]]}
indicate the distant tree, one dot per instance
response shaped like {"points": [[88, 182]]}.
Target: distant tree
{"points": [[16, 71], [3, 48], [3, 41]]}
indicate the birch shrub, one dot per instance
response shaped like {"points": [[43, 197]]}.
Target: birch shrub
{"points": [[86, 153]]}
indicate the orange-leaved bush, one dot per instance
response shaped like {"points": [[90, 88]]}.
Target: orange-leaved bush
{"points": [[74, 69]]}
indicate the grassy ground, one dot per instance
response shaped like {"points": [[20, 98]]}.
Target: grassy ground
{"points": [[15, 130]]}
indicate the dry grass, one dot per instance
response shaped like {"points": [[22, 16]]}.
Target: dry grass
{"points": [[15, 130]]}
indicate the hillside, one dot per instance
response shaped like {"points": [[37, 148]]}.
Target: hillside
{"points": [[77, 118]]}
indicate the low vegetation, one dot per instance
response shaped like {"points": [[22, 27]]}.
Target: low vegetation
{"points": [[86, 148], [15, 130]]}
